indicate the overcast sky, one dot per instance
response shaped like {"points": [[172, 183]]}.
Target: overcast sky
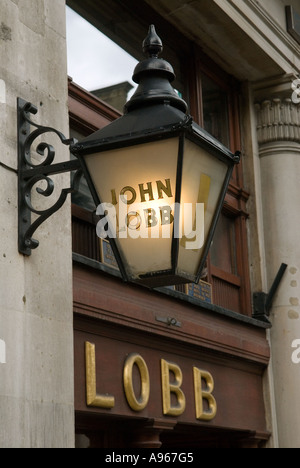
{"points": [[94, 61]]}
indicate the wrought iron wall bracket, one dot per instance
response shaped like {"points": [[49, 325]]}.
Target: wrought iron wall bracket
{"points": [[30, 174]]}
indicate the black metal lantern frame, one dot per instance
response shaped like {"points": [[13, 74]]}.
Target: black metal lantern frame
{"points": [[154, 113], [156, 126]]}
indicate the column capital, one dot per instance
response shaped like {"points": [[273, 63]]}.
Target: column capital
{"points": [[278, 120], [278, 114]]}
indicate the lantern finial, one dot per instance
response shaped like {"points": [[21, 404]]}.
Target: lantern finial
{"points": [[152, 45]]}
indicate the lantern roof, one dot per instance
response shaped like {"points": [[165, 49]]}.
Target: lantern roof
{"points": [[146, 123]]}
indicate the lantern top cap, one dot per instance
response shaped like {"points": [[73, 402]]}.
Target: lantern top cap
{"points": [[154, 76]]}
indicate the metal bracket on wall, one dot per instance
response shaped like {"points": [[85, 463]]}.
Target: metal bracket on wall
{"points": [[170, 321], [262, 302], [30, 174]]}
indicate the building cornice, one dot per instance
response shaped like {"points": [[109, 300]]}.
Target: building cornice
{"points": [[285, 38], [259, 25]]}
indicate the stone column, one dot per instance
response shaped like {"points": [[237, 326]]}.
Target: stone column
{"points": [[278, 132], [36, 331]]}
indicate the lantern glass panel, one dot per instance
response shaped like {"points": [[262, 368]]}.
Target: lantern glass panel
{"points": [[139, 184], [203, 177]]}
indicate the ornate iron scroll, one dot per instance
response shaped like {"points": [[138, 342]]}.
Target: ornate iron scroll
{"points": [[30, 173]]}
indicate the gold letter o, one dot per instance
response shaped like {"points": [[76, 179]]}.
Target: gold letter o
{"points": [[136, 404]]}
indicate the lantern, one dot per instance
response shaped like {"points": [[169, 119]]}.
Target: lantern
{"points": [[158, 180]]}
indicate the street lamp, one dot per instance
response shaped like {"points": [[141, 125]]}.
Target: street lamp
{"points": [[158, 180]]}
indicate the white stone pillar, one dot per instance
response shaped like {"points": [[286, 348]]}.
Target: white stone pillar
{"points": [[36, 332], [279, 148]]}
